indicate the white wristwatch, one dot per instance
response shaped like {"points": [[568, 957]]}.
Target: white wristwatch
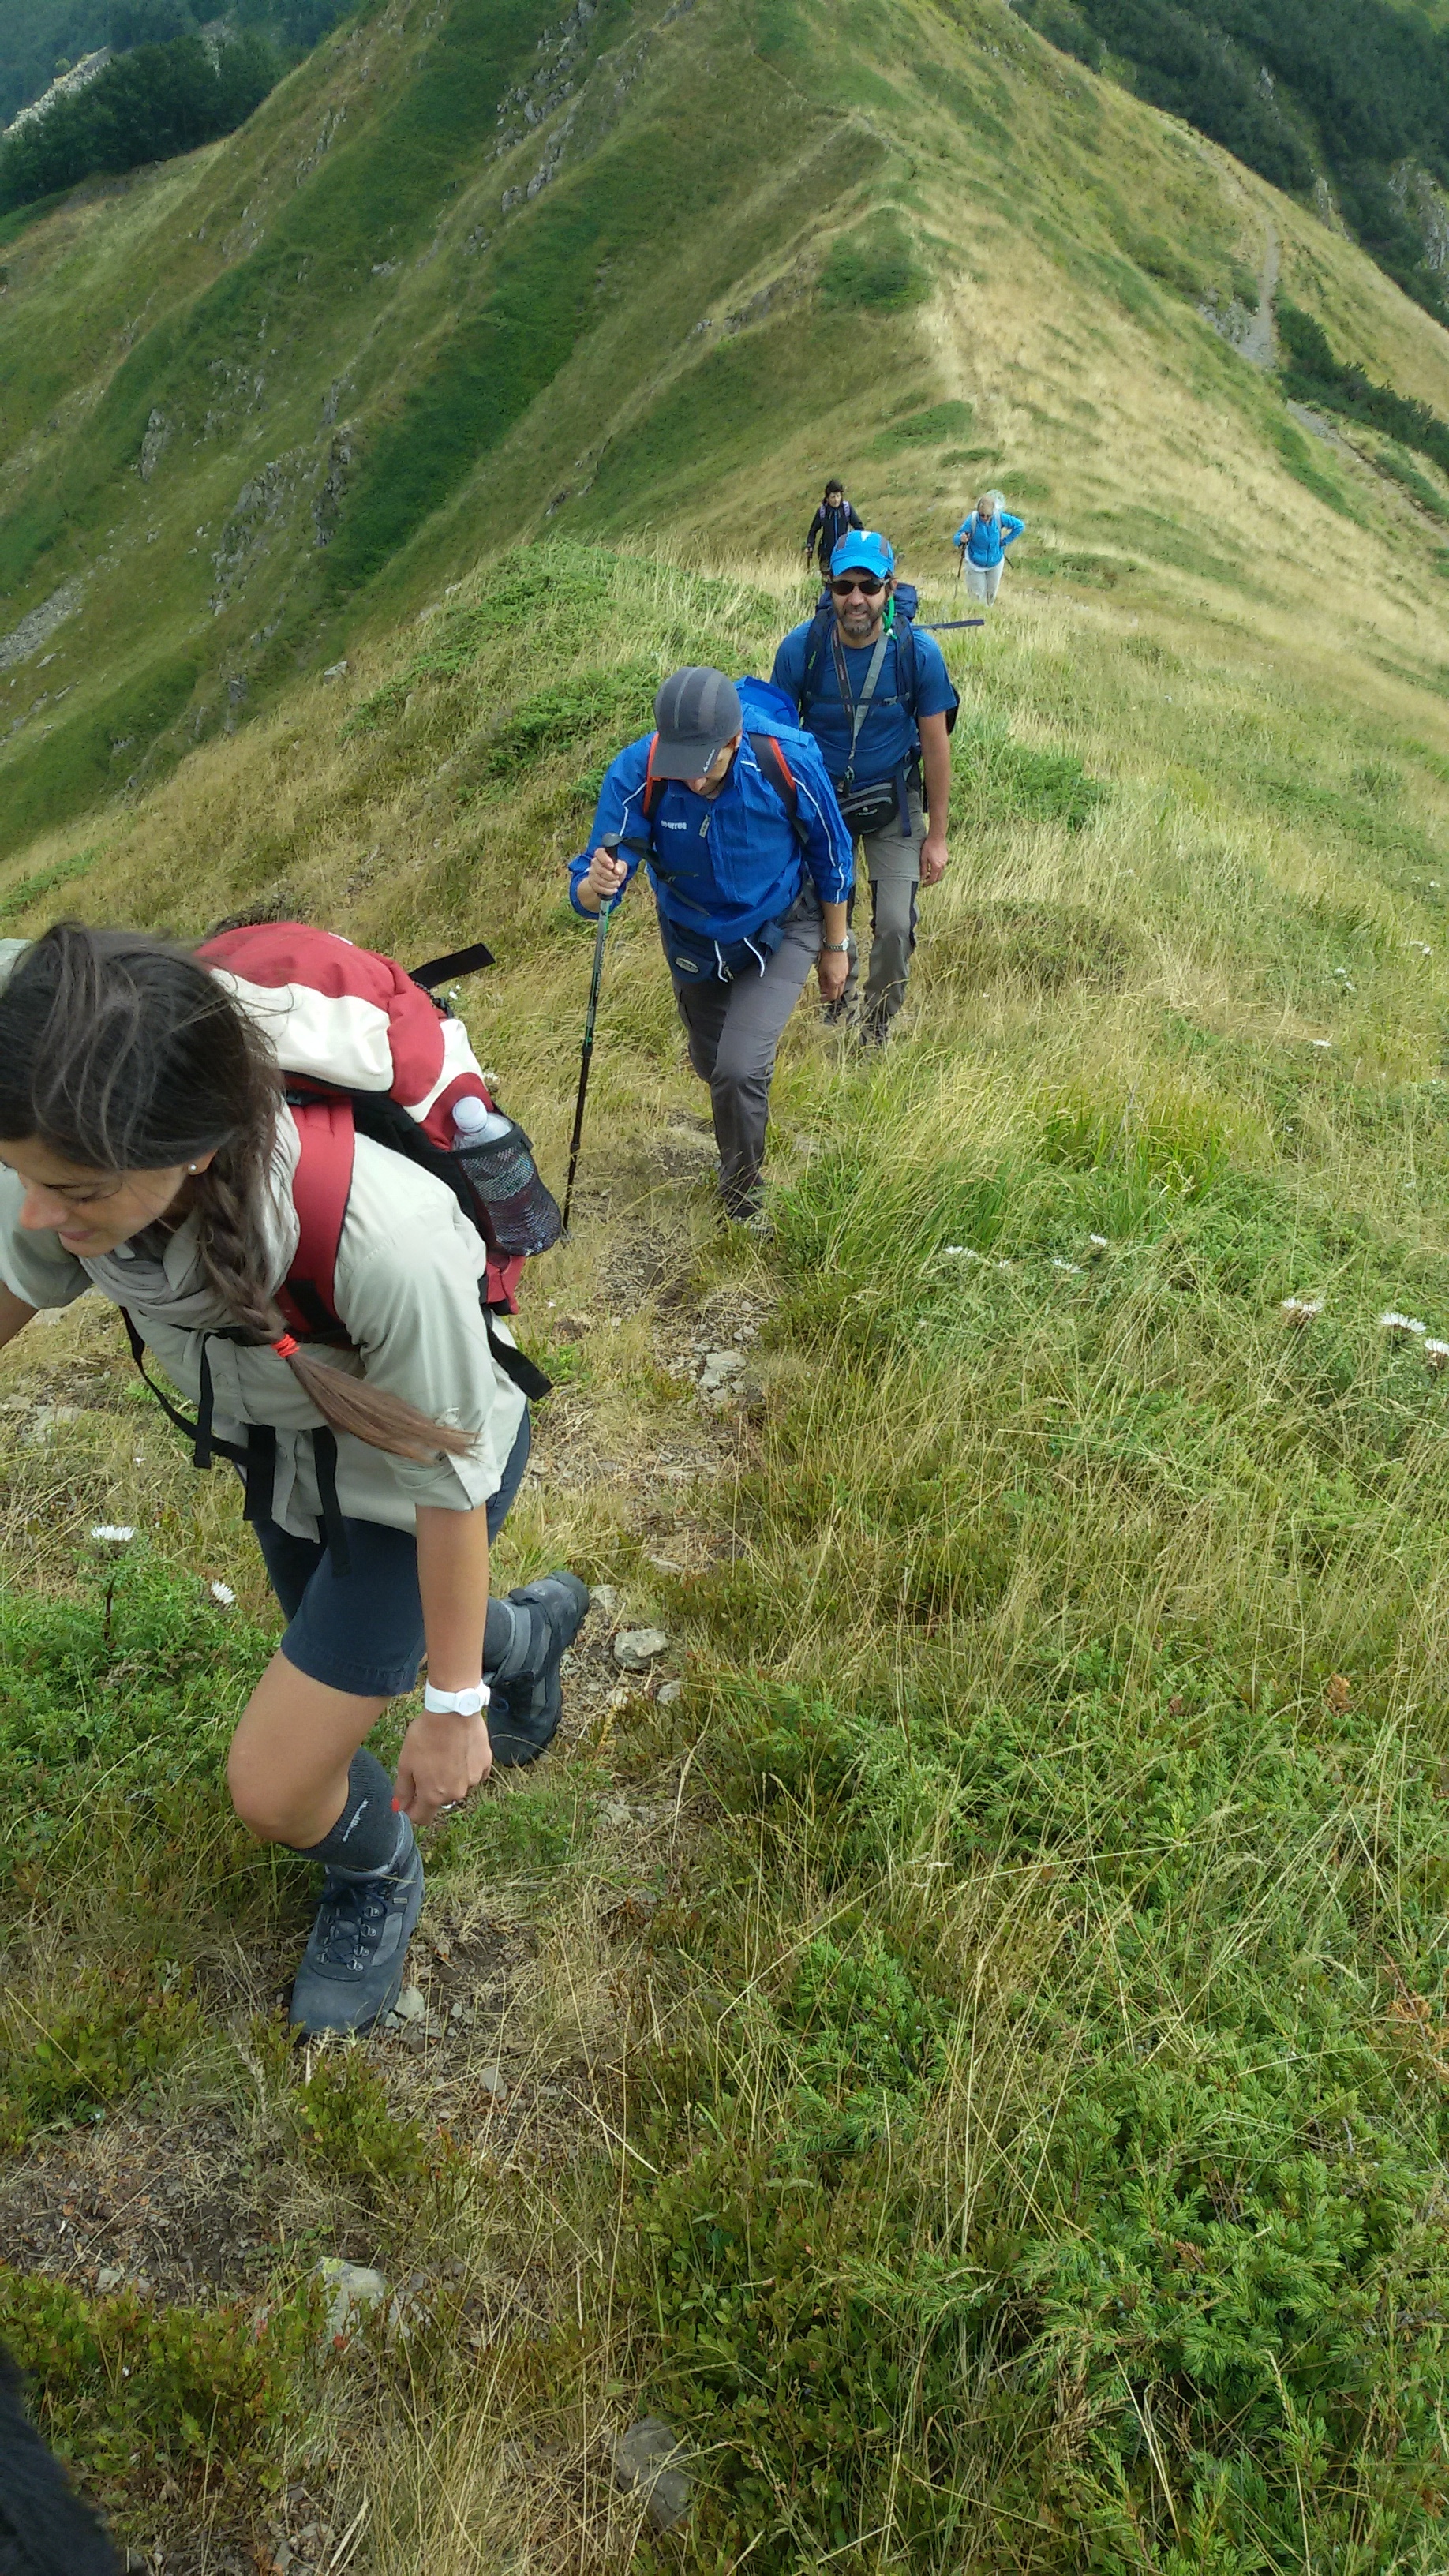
{"points": [[463, 1703]]}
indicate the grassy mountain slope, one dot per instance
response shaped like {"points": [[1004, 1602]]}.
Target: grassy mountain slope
{"points": [[264, 401], [974, 2061], [999, 2007]]}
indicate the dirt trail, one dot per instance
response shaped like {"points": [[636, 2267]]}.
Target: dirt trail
{"points": [[1259, 341]]}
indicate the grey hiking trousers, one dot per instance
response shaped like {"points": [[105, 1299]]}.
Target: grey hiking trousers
{"points": [[733, 1031], [893, 866]]}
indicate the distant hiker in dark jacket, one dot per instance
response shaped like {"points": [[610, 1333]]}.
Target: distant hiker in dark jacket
{"points": [[751, 868], [831, 522], [982, 540], [876, 695]]}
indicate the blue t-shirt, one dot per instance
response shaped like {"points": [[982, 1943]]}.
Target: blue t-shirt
{"points": [[888, 736]]}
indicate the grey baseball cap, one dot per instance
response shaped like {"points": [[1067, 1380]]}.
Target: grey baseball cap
{"points": [[697, 713]]}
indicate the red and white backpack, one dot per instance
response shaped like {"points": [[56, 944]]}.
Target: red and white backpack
{"points": [[364, 1044]]}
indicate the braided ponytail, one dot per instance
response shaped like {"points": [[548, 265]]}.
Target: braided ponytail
{"points": [[122, 1054]]}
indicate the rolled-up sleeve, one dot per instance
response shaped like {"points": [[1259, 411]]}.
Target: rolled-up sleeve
{"points": [[408, 1295], [34, 1267]]}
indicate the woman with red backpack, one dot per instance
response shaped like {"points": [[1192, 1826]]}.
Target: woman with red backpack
{"points": [[147, 1149]]}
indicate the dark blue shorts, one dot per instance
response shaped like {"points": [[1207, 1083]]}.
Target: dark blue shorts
{"points": [[363, 1631]]}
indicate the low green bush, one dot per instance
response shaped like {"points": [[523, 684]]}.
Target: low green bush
{"points": [[87, 2056], [202, 2395], [347, 2130], [874, 267]]}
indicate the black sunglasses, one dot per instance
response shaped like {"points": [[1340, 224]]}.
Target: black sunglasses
{"points": [[869, 589]]}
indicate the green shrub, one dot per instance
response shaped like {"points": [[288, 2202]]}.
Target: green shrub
{"points": [[617, 703], [88, 2056], [200, 2393], [874, 269], [347, 2130]]}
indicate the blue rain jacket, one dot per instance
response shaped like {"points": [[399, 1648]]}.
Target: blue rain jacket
{"points": [[734, 857], [986, 540]]}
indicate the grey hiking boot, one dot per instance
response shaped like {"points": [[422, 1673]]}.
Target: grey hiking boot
{"points": [[527, 1692], [352, 1968]]}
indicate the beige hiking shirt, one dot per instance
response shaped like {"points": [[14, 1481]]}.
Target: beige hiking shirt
{"points": [[406, 1287]]}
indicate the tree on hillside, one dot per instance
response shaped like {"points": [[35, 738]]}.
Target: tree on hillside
{"points": [[149, 22], [37, 34], [146, 106]]}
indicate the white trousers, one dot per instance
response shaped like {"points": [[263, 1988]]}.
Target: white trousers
{"points": [[983, 581]]}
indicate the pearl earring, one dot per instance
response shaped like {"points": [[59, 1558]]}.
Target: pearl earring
{"points": [[191, 1167]]}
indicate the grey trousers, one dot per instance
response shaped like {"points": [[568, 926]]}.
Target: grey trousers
{"points": [[733, 1031], [894, 869]]}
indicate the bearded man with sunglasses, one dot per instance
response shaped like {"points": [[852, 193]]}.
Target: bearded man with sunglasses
{"points": [[878, 700]]}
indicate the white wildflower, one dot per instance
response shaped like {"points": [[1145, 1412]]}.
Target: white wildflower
{"points": [[113, 1533], [1436, 1353], [960, 1252], [1421, 948], [1320, 1042], [1100, 1242], [1073, 1268], [223, 1593], [1301, 1310], [1393, 1322]]}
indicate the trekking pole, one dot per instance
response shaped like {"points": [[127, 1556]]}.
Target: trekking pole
{"points": [[605, 909]]}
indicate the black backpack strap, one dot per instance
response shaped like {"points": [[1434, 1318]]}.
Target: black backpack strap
{"points": [[324, 1453], [257, 1461], [460, 961], [515, 1364], [816, 643]]}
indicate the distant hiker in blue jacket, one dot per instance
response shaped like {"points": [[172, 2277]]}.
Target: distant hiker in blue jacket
{"points": [[831, 522], [751, 870], [878, 699], [982, 539]]}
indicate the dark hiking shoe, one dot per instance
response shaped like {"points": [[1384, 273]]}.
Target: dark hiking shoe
{"points": [[874, 1033], [352, 1968], [837, 1013], [526, 1689]]}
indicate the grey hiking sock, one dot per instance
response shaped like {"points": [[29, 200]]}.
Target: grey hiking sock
{"points": [[368, 1839]]}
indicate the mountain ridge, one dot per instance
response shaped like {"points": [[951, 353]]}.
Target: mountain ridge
{"points": [[474, 271]]}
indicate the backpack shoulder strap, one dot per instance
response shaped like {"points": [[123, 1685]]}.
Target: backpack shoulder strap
{"points": [[908, 672], [652, 785], [321, 1188], [816, 643], [774, 766]]}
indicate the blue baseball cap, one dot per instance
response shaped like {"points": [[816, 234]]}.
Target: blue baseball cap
{"points": [[863, 550]]}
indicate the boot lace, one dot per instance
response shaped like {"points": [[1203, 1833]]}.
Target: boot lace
{"points": [[350, 1921]]}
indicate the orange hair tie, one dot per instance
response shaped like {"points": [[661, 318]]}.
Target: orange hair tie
{"points": [[285, 1347]]}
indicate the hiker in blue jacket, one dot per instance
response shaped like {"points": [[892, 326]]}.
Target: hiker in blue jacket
{"points": [[751, 870], [876, 696], [982, 540], [834, 518]]}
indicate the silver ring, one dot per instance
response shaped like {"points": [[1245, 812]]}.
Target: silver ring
{"points": [[452, 1806]]}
